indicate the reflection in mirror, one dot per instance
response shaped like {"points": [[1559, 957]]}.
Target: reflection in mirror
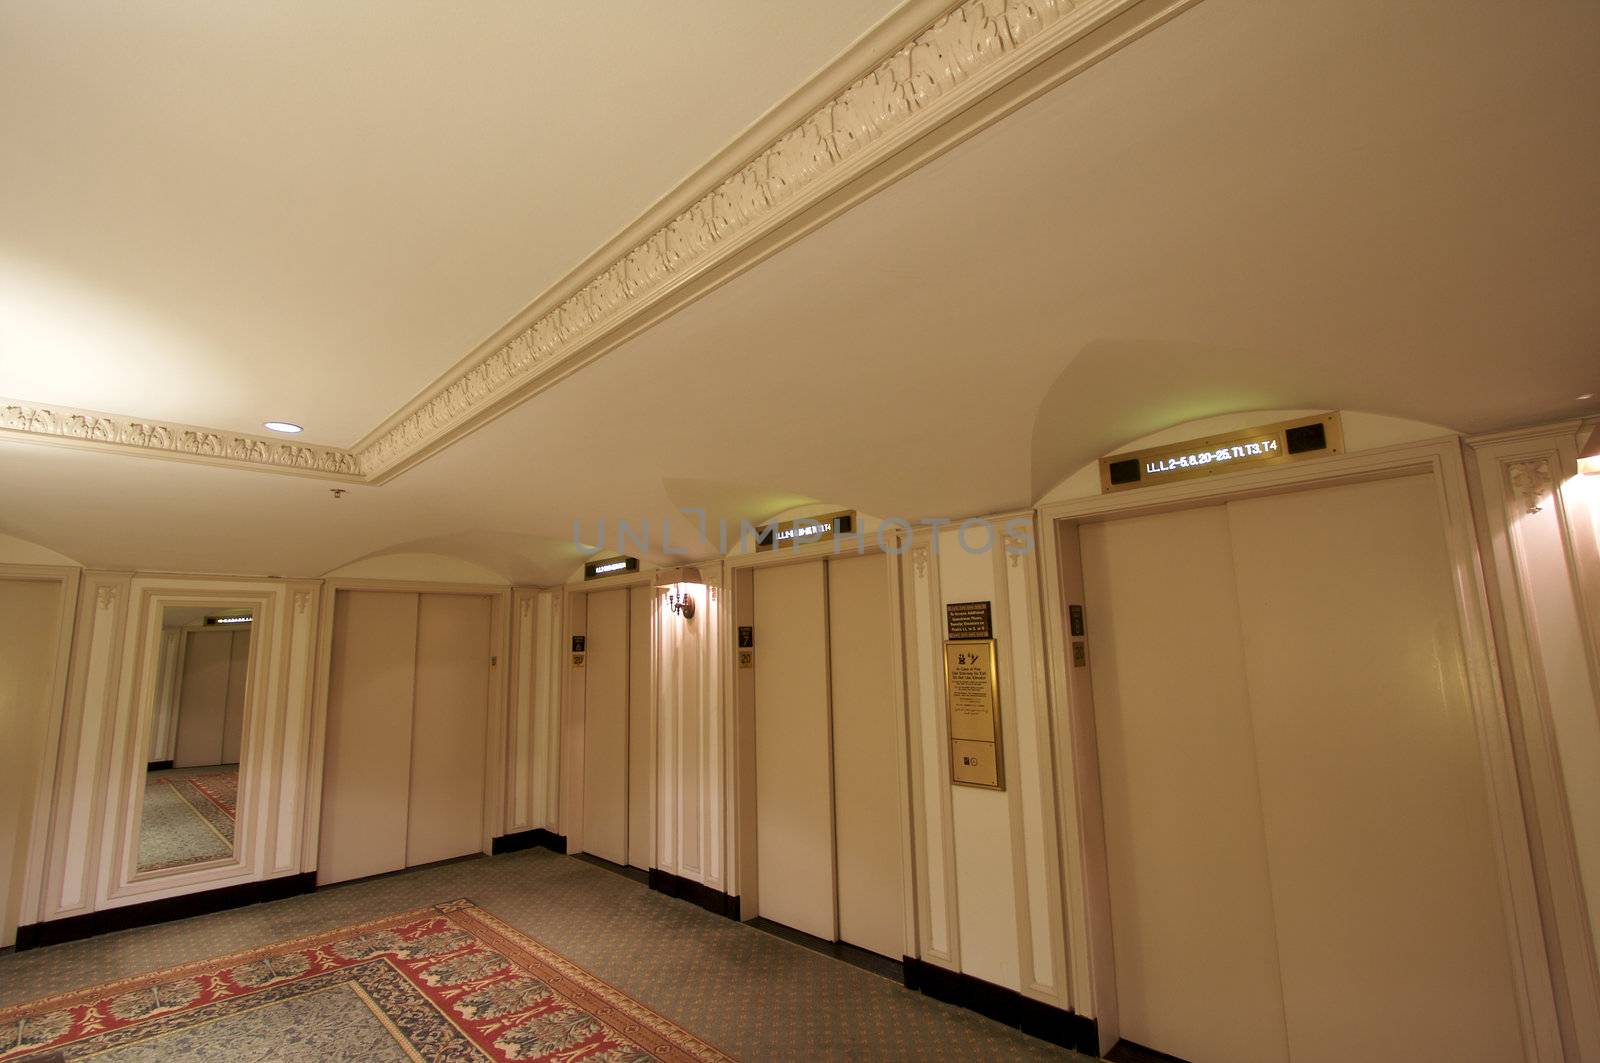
{"points": [[192, 777]]}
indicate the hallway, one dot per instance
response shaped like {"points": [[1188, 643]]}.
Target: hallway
{"points": [[755, 996]]}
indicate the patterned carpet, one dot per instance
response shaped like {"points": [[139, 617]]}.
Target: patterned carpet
{"points": [[755, 996], [450, 982], [188, 817]]}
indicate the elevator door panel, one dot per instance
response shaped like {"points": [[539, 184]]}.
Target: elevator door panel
{"points": [[641, 741], [865, 778], [1191, 912], [203, 703], [605, 728], [794, 801], [1385, 888], [449, 727], [367, 762]]}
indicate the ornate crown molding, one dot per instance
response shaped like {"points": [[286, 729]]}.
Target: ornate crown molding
{"points": [[966, 53], [818, 167], [65, 425]]}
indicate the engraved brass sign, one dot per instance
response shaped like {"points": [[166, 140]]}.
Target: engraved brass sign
{"points": [[972, 699]]}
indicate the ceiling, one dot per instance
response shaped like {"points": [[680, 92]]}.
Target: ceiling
{"points": [[221, 214], [1360, 205]]}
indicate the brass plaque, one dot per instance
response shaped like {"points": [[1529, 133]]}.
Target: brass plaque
{"points": [[577, 660], [747, 658], [975, 764], [1316, 436], [972, 699]]}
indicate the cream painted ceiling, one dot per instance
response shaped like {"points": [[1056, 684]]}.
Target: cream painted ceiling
{"points": [[1361, 205], [225, 213]]}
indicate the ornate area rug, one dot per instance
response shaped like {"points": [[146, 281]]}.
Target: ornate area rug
{"points": [[187, 818], [219, 789], [450, 982]]}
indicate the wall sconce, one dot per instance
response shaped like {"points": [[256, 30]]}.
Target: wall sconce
{"points": [[679, 601], [679, 582]]}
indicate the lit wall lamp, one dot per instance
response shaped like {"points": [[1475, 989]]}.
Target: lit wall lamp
{"points": [[679, 583]]}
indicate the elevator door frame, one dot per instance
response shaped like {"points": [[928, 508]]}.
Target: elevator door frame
{"points": [[574, 621], [740, 683], [1089, 941], [496, 754]]}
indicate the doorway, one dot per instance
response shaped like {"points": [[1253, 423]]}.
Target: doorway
{"points": [[612, 816], [1300, 846], [406, 776], [821, 701]]}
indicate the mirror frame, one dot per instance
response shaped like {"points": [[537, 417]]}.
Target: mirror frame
{"points": [[276, 718]]}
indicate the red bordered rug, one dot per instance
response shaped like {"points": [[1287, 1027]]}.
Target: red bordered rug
{"points": [[450, 982]]}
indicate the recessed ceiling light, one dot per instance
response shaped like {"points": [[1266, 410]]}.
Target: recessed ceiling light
{"points": [[1586, 396], [281, 426]]}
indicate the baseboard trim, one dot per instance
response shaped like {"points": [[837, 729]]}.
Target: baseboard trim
{"points": [[158, 765], [1129, 1052], [538, 838], [92, 924], [843, 951], [1033, 1017], [697, 893]]}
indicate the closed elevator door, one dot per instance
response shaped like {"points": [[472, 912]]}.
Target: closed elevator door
{"points": [[827, 783], [605, 727], [1299, 840], [794, 772], [404, 770]]}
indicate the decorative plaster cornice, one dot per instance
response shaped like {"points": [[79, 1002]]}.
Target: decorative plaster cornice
{"points": [[940, 74], [141, 435]]}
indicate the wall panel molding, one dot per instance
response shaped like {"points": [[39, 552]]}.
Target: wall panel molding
{"points": [[1535, 515]]}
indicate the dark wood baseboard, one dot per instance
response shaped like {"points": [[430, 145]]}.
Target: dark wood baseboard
{"points": [[538, 838], [158, 765], [843, 951], [627, 871], [1033, 1017], [1129, 1052], [714, 901], [75, 927]]}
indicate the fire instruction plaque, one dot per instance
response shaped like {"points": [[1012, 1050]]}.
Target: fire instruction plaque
{"points": [[972, 695]]}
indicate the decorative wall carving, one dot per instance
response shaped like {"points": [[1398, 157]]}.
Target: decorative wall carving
{"points": [[931, 78], [166, 439], [1531, 483]]}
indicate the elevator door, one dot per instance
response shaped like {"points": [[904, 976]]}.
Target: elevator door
{"points": [[366, 788], [450, 723], [408, 714], [865, 780], [605, 727], [794, 791], [1298, 834]]}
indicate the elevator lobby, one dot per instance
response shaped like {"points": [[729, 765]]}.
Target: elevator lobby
{"points": [[864, 530]]}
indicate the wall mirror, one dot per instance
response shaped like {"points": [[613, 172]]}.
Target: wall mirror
{"points": [[197, 727]]}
